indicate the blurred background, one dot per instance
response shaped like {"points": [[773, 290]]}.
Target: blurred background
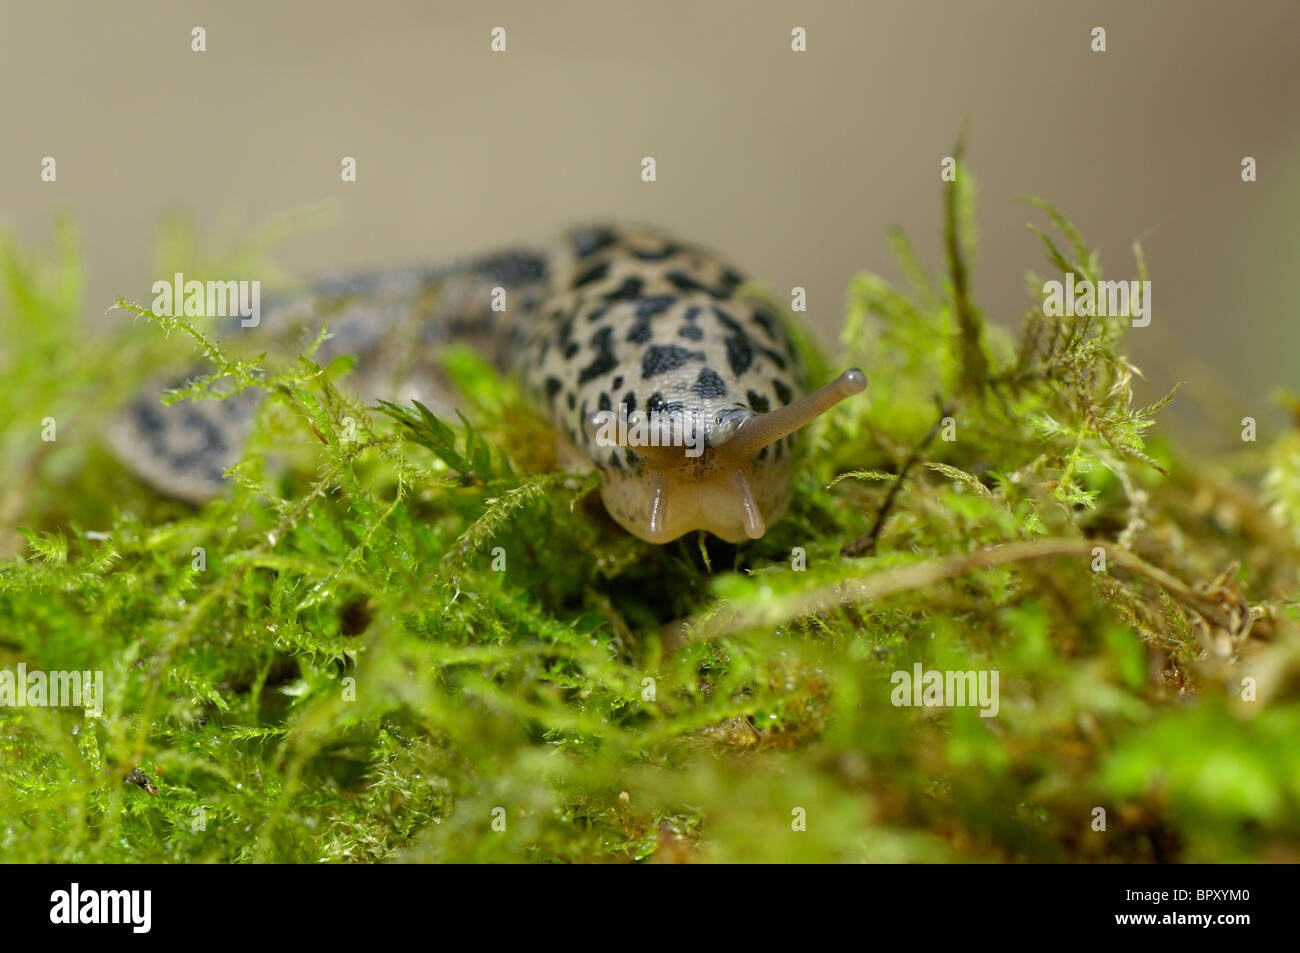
{"points": [[793, 165]]}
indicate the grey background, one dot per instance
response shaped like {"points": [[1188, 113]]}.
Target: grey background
{"points": [[793, 165]]}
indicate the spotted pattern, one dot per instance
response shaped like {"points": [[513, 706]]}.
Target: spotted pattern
{"points": [[665, 317], [607, 316]]}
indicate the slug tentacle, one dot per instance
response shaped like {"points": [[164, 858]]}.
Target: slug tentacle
{"points": [[753, 516], [658, 504], [763, 429]]}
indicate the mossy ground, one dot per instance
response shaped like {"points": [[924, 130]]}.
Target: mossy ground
{"points": [[352, 676]]}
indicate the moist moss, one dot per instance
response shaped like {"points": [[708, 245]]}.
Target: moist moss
{"points": [[421, 641]]}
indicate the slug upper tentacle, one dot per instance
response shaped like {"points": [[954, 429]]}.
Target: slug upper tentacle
{"points": [[653, 366]]}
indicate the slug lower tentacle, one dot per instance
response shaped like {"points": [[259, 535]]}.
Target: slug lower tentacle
{"points": [[652, 364]]}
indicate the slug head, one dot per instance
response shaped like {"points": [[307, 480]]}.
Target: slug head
{"points": [[730, 489]]}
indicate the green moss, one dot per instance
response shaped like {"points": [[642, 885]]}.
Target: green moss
{"points": [[353, 676]]}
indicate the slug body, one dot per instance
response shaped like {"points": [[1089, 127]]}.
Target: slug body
{"points": [[652, 364]]}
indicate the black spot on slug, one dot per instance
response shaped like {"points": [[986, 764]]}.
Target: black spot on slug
{"points": [[684, 282], [757, 402], [728, 322], [765, 321], [665, 357], [709, 384], [657, 404], [640, 332], [740, 349], [512, 269], [774, 357], [565, 332], [667, 251], [592, 275], [148, 419], [740, 354], [691, 332], [783, 392], [588, 241], [629, 290], [605, 360], [553, 387], [652, 305]]}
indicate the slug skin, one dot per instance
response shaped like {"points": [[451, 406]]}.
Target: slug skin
{"points": [[610, 323]]}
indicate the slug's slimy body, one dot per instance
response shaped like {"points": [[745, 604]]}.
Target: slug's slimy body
{"points": [[653, 366]]}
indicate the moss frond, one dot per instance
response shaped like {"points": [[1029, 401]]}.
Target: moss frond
{"points": [[402, 637]]}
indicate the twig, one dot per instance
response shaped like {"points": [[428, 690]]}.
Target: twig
{"points": [[877, 585]]}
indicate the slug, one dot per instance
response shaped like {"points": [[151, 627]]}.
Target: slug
{"points": [[651, 363]]}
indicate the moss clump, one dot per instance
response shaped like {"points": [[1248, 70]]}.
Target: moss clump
{"points": [[424, 643]]}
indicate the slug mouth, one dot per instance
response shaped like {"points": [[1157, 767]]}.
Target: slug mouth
{"points": [[721, 487]]}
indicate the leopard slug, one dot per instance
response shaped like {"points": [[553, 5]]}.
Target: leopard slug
{"points": [[652, 363]]}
